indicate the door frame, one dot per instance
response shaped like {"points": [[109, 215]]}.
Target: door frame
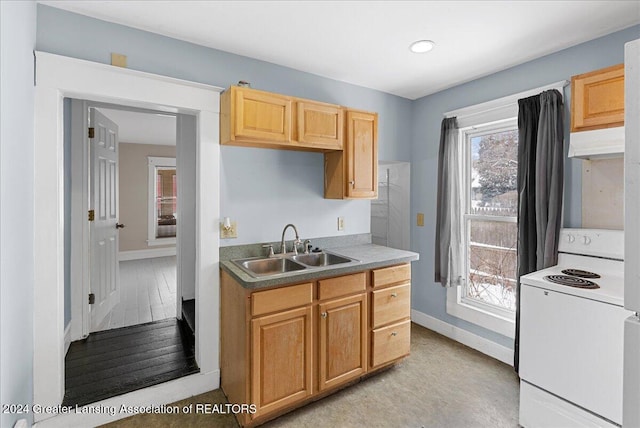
{"points": [[79, 326], [58, 77]]}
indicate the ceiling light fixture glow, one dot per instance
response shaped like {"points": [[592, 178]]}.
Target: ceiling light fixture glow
{"points": [[421, 46]]}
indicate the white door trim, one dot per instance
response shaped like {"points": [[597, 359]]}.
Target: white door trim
{"points": [[58, 77], [79, 268]]}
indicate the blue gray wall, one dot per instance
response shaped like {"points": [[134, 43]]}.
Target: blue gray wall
{"points": [[427, 113], [17, 40]]}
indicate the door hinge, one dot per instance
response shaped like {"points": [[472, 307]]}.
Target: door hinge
{"points": [[92, 132], [92, 215], [92, 298]]}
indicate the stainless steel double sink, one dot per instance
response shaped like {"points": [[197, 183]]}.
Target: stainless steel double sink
{"points": [[279, 264]]}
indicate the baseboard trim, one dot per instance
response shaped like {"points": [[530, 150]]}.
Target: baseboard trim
{"points": [[156, 395], [67, 338], [146, 254], [486, 346]]}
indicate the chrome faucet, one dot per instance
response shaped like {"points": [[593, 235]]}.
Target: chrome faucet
{"points": [[296, 242]]}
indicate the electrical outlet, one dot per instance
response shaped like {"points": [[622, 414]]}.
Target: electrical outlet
{"points": [[232, 232], [420, 219], [340, 223]]}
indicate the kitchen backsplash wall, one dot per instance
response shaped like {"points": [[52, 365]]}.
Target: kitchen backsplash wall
{"points": [[603, 194]]}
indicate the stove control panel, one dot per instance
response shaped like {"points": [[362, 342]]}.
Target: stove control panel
{"points": [[593, 242]]}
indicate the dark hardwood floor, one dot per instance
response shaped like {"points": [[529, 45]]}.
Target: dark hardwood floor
{"points": [[114, 362]]}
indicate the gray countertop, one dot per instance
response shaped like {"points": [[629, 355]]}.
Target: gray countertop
{"points": [[368, 256]]}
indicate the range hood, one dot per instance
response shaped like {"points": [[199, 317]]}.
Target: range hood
{"points": [[597, 144]]}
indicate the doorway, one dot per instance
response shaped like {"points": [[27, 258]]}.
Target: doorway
{"points": [[134, 302], [59, 77]]}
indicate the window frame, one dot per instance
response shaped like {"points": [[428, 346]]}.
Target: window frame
{"points": [[152, 212], [491, 317]]}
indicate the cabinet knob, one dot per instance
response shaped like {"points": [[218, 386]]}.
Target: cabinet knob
{"points": [[394, 294], [395, 333], [353, 183], [323, 315]]}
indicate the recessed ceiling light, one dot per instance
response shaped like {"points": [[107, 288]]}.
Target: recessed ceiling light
{"points": [[421, 46]]}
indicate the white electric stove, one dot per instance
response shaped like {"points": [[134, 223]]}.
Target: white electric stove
{"points": [[571, 334]]}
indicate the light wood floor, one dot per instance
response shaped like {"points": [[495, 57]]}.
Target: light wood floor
{"points": [[147, 293]]}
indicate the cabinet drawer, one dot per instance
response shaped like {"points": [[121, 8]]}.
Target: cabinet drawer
{"points": [[341, 286], [391, 304], [263, 302], [390, 343], [391, 275]]}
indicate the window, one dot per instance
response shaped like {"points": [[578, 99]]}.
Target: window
{"points": [[162, 218], [489, 134], [490, 228]]}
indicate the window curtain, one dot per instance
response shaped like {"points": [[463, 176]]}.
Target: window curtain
{"points": [[540, 181], [448, 248]]}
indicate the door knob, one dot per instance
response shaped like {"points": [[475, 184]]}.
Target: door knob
{"points": [[119, 226]]}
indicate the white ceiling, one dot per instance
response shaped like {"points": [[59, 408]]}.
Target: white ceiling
{"points": [[366, 42], [143, 128]]}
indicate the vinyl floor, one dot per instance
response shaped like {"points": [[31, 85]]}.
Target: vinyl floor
{"points": [[117, 361]]}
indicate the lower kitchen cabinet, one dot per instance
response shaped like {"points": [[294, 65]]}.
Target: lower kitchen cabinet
{"points": [[343, 340], [390, 314], [287, 346], [281, 359]]}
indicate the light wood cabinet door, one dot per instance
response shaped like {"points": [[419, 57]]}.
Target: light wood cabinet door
{"points": [[597, 99], [261, 116], [343, 340], [353, 172], [281, 362], [319, 125], [362, 155]]}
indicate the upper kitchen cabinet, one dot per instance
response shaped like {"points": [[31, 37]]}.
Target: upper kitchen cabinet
{"points": [[353, 172], [597, 99], [255, 118], [319, 125], [249, 117]]}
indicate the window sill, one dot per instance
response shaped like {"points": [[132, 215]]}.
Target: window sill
{"points": [[161, 241], [474, 315]]}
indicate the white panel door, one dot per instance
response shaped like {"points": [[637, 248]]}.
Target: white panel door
{"points": [[104, 228]]}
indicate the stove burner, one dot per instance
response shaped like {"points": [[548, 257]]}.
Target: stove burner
{"points": [[571, 281], [581, 273]]}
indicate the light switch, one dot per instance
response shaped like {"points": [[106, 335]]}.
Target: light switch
{"points": [[420, 219], [228, 232]]}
